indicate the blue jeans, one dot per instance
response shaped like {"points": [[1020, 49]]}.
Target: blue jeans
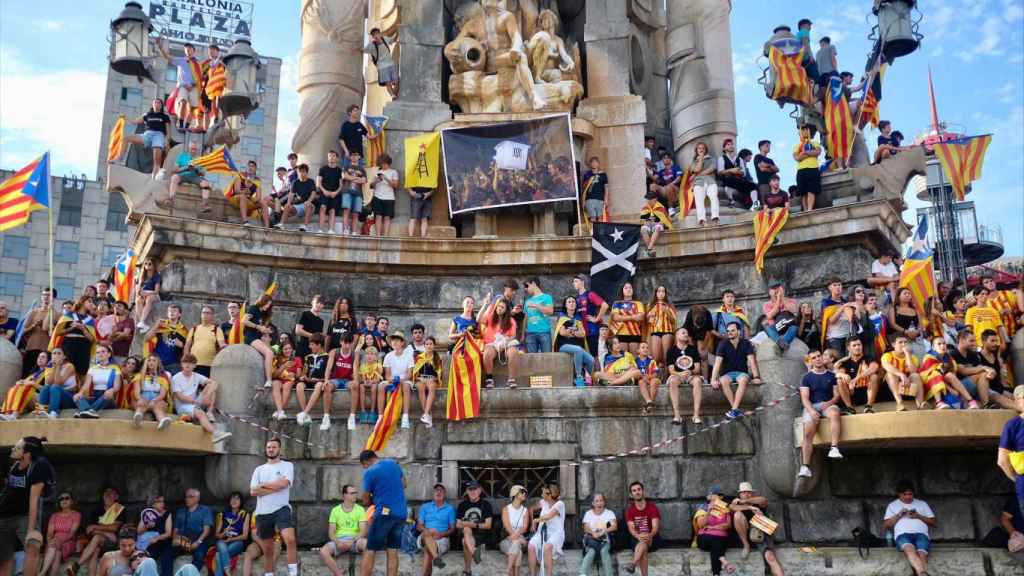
{"points": [[225, 551], [55, 398], [538, 342], [580, 358], [920, 542], [198, 554], [606, 560], [95, 402], [789, 335]]}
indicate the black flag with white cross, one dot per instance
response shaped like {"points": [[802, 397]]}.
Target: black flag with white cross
{"points": [[613, 258]]}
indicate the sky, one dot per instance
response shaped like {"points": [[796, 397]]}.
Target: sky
{"points": [[53, 71]]}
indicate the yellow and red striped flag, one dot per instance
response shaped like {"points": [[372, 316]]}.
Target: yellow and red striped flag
{"points": [[165, 327], [464, 377], [26, 191], [962, 160], [869, 109], [838, 121], [217, 161], [386, 424], [791, 82], [767, 224], [116, 143], [235, 335], [919, 277], [20, 395], [658, 211], [686, 201]]}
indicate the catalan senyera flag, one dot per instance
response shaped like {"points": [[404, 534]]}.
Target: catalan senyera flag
{"points": [[164, 327], [115, 145], [422, 160], [124, 275], [869, 108], [218, 161], [271, 290], [64, 323], [962, 160], [767, 224], [377, 146], [464, 377], [791, 82], [658, 211], [25, 192], [232, 191], [919, 277], [838, 121], [686, 200], [386, 424], [21, 394]]}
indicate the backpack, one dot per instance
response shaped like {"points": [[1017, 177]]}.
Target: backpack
{"points": [[865, 541]]}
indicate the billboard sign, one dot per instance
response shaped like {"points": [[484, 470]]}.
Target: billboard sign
{"points": [[203, 21]]}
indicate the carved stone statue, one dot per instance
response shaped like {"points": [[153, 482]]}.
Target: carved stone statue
{"points": [[492, 71]]}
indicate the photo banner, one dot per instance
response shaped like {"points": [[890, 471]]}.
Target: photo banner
{"points": [[509, 164]]}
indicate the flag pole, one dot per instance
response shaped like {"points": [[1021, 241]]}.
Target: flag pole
{"points": [[49, 224]]}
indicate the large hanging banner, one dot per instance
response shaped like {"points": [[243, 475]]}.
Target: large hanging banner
{"points": [[509, 164]]}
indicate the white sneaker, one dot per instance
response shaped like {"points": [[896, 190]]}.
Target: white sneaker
{"points": [[804, 472], [54, 415], [351, 421], [427, 420], [833, 452], [302, 228], [325, 423], [164, 423], [7, 417], [161, 175], [268, 384], [755, 207], [277, 415], [221, 436], [405, 421], [303, 418]]}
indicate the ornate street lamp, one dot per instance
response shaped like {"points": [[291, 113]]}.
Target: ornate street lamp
{"points": [[896, 29], [130, 51], [240, 92]]}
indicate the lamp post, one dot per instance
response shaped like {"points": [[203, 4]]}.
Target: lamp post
{"points": [[240, 93], [130, 51], [896, 29]]}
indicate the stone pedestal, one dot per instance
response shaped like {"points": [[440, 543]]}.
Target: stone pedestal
{"points": [[544, 222], [10, 365], [618, 142], [781, 373]]}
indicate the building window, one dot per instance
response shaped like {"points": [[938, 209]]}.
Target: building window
{"points": [[255, 117], [11, 283], [72, 193], [532, 475], [171, 74], [65, 288], [65, 252], [15, 246], [117, 213], [110, 255], [252, 146], [131, 96]]}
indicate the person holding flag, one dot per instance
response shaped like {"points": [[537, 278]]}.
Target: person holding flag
{"points": [[655, 220], [595, 192], [185, 96], [75, 334], [36, 328], [167, 339], [214, 82], [24, 391]]}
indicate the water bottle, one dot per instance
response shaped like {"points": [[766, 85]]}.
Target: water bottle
{"points": [[888, 539]]}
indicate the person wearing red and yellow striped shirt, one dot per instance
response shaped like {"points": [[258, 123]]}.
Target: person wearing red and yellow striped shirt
{"points": [[982, 316], [628, 319]]}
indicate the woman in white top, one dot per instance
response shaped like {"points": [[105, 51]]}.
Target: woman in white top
{"points": [[100, 388], [549, 530], [598, 523], [515, 518]]}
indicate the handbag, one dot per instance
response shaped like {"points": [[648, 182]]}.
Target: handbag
{"points": [[595, 543]]}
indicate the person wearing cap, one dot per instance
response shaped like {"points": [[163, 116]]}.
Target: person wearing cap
{"points": [[643, 520], [539, 307], [398, 365], [347, 528], [473, 517], [713, 523], [515, 519], [745, 506], [598, 525], [435, 523], [780, 316], [384, 488], [1010, 457], [118, 562]]}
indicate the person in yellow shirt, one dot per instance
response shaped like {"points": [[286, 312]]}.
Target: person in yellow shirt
{"points": [[808, 179], [900, 367], [202, 341], [982, 316], [1005, 302]]}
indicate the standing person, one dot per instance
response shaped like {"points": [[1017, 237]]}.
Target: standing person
{"points": [[983, 316], [464, 321], [595, 190], [684, 367], [350, 137], [549, 531], [343, 321], [157, 134], [538, 308], [384, 488], [808, 178], [435, 523], [1010, 456], [123, 334], [836, 317], [380, 53], [353, 179], [704, 186], [202, 341], [735, 363], [189, 87], [421, 206], [193, 529], [384, 186], [473, 518], [764, 167], [909, 519], [643, 519], [819, 394], [627, 318], [29, 479], [599, 523], [37, 328], [328, 187], [515, 519], [661, 324], [309, 323], [271, 485], [231, 531], [346, 527], [828, 66]]}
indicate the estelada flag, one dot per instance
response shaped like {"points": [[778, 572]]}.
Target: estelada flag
{"points": [[791, 82], [838, 121], [464, 376], [919, 277], [25, 192], [115, 145], [217, 161], [422, 160], [376, 146], [388, 421], [124, 275], [767, 224], [962, 160]]}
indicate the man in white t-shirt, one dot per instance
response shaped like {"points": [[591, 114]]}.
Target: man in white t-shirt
{"points": [[598, 523], [384, 186], [271, 484], [884, 275], [398, 371], [910, 519], [190, 390]]}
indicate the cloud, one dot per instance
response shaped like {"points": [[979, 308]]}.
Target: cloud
{"points": [[1008, 92], [37, 117], [48, 25]]}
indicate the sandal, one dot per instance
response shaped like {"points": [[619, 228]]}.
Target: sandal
{"points": [[512, 383], [696, 420], [677, 421]]}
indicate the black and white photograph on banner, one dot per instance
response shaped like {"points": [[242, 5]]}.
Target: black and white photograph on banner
{"points": [[509, 164]]}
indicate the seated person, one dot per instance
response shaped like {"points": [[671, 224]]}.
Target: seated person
{"points": [[254, 551], [999, 386], [819, 394], [151, 391], [118, 561], [857, 378], [426, 372], [684, 367], [889, 142], [619, 366], [745, 507], [193, 529], [371, 374], [342, 367], [643, 521], [194, 396], [900, 369], [347, 526], [473, 518], [101, 530], [973, 375], [648, 380], [299, 202], [713, 528], [314, 372], [654, 220], [23, 393], [186, 173], [287, 372], [435, 523], [100, 387], [938, 372]]}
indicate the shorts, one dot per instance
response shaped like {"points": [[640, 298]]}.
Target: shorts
{"points": [[204, 370], [734, 376], [385, 533], [443, 544], [808, 181], [971, 387], [300, 209], [190, 177], [280, 519], [383, 208], [659, 334], [353, 542], [340, 383], [595, 208], [189, 94], [919, 541], [651, 227], [185, 409], [327, 203], [352, 202], [154, 139], [507, 547], [420, 208], [819, 409], [629, 338], [148, 395], [387, 75]]}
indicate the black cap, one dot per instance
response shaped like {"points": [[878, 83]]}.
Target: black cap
{"points": [[472, 484], [775, 283], [439, 485]]}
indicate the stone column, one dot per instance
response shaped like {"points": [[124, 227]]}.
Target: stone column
{"points": [[617, 115], [238, 370], [1017, 354], [10, 365], [330, 74], [700, 69], [419, 108]]}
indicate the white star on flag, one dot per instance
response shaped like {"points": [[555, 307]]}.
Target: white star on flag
{"points": [[616, 235]]}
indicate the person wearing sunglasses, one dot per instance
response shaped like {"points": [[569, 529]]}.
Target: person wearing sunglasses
{"points": [[436, 524], [60, 534]]}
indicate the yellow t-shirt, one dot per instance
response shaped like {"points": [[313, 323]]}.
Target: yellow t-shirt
{"points": [[981, 318], [810, 161], [900, 362], [204, 344], [370, 371]]}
